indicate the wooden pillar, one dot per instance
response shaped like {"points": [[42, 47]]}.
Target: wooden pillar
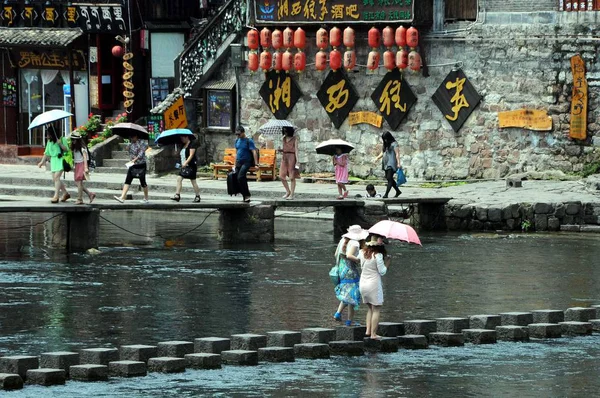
{"points": [[254, 224], [439, 11], [83, 230]]}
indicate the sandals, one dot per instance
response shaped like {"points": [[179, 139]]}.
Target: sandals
{"points": [[176, 197], [65, 197], [350, 323], [345, 193], [54, 200], [340, 197], [197, 199], [119, 199], [337, 316], [92, 197], [79, 202]]}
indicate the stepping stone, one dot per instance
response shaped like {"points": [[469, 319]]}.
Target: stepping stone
{"points": [[240, 357], [166, 365], [420, 327], [46, 377], [19, 364], [203, 360], [573, 328], [10, 381], [390, 329], [138, 352], [512, 333], [479, 336], [548, 316], [318, 335], [451, 324], [544, 330], [212, 345], [413, 341], [347, 348], [352, 333], [486, 322], [516, 318], [89, 372], [127, 368], [446, 339], [98, 356], [382, 344], [283, 338], [248, 342], [59, 360], [175, 349], [312, 351], [276, 354], [580, 314], [595, 324]]}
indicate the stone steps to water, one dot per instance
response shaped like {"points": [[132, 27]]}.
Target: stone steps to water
{"points": [[101, 364]]}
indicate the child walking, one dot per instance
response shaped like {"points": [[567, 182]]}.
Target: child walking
{"points": [[340, 161], [80, 158]]}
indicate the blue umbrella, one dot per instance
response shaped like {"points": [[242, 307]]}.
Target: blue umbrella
{"points": [[48, 117], [170, 137]]}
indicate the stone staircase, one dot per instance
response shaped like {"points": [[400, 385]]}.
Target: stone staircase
{"points": [[116, 164]]}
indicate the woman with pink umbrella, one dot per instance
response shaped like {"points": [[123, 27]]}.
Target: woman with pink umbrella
{"points": [[374, 263]]}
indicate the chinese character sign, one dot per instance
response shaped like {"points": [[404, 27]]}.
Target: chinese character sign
{"points": [[456, 98], [175, 116], [579, 100], [393, 98], [280, 92], [156, 125], [338, 96]]}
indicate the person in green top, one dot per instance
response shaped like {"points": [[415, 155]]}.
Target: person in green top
{"points": [[55, 149]]}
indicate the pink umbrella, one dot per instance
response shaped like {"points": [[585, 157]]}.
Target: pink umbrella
{"points": [[395, 230]]}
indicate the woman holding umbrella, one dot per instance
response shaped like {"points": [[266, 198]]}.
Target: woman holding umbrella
{"points": [[55, 148], [137, 155], [189, 168], [390, 163], [374, 264]]}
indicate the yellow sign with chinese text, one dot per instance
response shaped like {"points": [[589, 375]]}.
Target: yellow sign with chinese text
{"points": [[529, 119], [579, 101], [175, 117], [365, 117]]}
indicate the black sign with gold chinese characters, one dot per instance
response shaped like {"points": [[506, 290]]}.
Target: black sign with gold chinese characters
{"points": [[10, 15], [50, 59], [280, 92], [393, 98], [456, 98], [338, 96]]}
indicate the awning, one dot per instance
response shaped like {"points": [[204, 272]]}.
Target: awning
{"points": [[38, 37], [219, 85]]}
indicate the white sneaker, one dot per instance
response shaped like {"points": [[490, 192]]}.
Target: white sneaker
{"points": [[144, 201]]}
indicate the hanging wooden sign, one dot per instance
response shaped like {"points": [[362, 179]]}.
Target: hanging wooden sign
{"points": [[456, 98], [529, 119], [175, 116], [579, 100], [338, 96], [280, 92], [365, 117], [393, 98]]}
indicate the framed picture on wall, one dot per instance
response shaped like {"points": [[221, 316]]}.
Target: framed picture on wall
{"points": [[219, 109]]}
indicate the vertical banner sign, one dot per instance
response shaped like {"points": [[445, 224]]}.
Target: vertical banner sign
{"points": [[456, 98], [579, 100], [280, 92], [155, 126], [394, 98], [338, 96]]}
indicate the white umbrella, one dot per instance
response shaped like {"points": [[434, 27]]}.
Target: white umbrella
{"points": [[275, 127], [48, 117]]}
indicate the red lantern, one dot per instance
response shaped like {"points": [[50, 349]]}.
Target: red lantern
{"points": [[288, 38], [299, 39], [349, 59], [335, 37], [265, 38], [321, 61], [266, 60], [389, 60], [117, 51], [412, 37], [349, 38], [414, 61], [402, 59], [287, 61], [322, 39], [253, 61], [374, 38], [300, 61], [373, 60], [277, 61], [335, 60], [401, 36], [277, 39], [252, 37], [388, 37]]}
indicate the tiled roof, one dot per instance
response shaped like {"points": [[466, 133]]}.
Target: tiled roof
{"points": [[219, 85], [37, 37]]}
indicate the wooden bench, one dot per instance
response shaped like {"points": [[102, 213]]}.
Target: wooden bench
{"points": [[266, 170]]}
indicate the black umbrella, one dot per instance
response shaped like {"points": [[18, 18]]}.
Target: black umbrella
{"points": [[127, 130], [328, 147]]}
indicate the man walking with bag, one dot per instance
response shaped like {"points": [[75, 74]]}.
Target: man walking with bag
{"points": [[246, 157]]}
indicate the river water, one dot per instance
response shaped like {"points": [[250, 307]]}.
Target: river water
{"points": [[164, 276]]}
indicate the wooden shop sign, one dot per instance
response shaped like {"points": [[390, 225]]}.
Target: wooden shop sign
{"points": [[579, 100], [529, 119], [365, 117], [50, 59], [175, 117]]}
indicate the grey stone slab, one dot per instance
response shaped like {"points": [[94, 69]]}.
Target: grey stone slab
{"points": [[89, 372], [283, 338], [516, 318], [484, 321], [318, 335], [548, 316], [574, 328], [276, 354], [580, 314], [248, 341], [446, 339], [595, 324], [413, 341], [544, 330], [138, 352], [10, 381], [512, 333], [98, 356], [382, 344], [203, 360], [19, 364], [353, 333], [390, 329], [312, 351], [212, 345], [479, 336], [46, 377], [240, 357], [420, 326], [175, 349], [349, 348], [166, 365], [451, 324], [127, 368], [59, 360]]}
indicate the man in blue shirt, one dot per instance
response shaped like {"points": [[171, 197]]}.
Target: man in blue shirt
{"points": [[246, 157]]}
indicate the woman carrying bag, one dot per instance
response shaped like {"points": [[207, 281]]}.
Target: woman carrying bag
{"points": [[390, 162], [189, 168], [55, 151]]}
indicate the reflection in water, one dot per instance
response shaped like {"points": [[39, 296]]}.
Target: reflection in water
{"points": [[162, 286]]}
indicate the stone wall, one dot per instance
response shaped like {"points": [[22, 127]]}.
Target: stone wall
{"points": [[516, 5]]}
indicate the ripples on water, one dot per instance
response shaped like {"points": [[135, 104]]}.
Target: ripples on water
{"points": [[149, 289]]}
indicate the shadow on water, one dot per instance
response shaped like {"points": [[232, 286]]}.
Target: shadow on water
{"points": [[158, 284]]}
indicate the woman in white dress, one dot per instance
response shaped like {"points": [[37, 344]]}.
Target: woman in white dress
{"points": [[374, 263]]}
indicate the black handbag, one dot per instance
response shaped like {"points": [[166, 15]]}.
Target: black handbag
{"points": [[137, 172], [187, 172], [66, 165]]}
